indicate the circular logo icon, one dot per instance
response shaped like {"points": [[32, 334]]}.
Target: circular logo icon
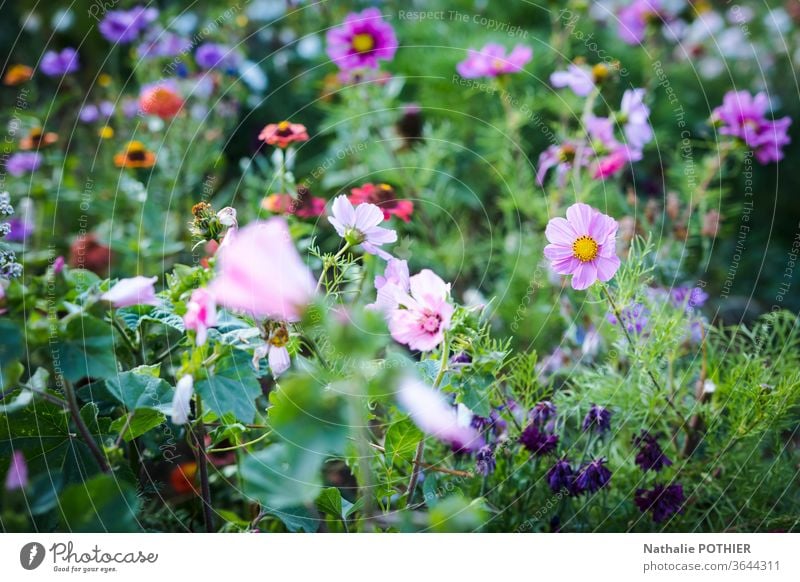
{"points": [[31, 555]]}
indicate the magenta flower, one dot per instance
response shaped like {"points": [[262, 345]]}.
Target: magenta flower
{"points": [[361, 41], [262, 274], [633, 19], [423, 315], [635, 118], [359, 225], [435, 417], [392, 286], [182, 399], [743, 115], [492, 61], [201, 314], [561, 157], [576, 77], [134, 291], [583, 245], [17, 476]]}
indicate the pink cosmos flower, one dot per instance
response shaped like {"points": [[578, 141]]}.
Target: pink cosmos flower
{"points": [[576, 77], [744, 116], [422, 315], [201, 314], [391, 286], [361, 41], [633, 19], [583, 245], [182, 399], [635, 117], [134, 291], [359, 225], [17, 476], [492, 61], [561, 157], [435, 417], [261, 273]]}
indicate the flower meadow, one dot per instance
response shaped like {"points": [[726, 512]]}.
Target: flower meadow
{"points": [[448, 266]]}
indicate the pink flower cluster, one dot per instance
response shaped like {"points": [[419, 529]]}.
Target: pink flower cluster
{"points": [[743, 116], [492, 61]]}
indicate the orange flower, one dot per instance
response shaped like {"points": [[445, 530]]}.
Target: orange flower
{"points": [[17, 74], [37, 138], [160, 100], [183, 477], [135, 156], [284, 133]]}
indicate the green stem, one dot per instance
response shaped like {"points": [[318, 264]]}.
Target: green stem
{"points": [[72, 402], [328, 261], [121, 330], [199, 435]]}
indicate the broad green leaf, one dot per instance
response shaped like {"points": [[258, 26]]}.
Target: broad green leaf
{"points": [[401, 441], [282, 476], [103, 503], [11, 347], [297, 519], [140, 390], [231, 387], [474, 394], [86, 349], [143, 420]]}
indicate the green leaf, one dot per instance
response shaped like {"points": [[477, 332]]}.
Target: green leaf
{"points": [[143, 420], [401, 441], [331, 502], [100, 504], [139, 389], [474, 395], [232, 387], [86, 350], [11, 346], [282, 476], [297, 519]]}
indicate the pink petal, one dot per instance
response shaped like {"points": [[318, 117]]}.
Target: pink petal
{"points": [[585, 274], [580, 216], [559, 231], [606, 267]]}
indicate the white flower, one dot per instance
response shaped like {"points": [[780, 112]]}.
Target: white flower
{"points": [[359, 225], [181, 400]]}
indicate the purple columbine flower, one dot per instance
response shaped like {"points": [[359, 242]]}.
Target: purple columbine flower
{"points": [[688, 297], [17, 476], [125, 26], [561, 476], [592, 476], [211, 55], [538, 442], [599, 418], [492, 61], [661, 501], [634, 317], [743, 116], [362, 40], [55, 64], [542, 412], [650, 456], [23, 163], [484, 461]]}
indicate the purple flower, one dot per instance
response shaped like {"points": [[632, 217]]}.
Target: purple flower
{"points": [[160, 43], [688, 297], [492, 61], [661, 501], [576, 77], [17, 476], [56, 64], [542, 412], [634, 317], [211, 55], [88, 113], [598, 417], [484, 461], [19, 229], [538, 442], [633, 19], [22, 163], [650, 456], [561, 157], [125, 26], [592, 476], [361, 41], [635, 118], [743, 116], [561, 476]]}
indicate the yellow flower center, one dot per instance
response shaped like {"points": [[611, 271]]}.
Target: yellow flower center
{"points": [[585, 249], [599, 72], [363, 43], [498, 64], [280, 337]]}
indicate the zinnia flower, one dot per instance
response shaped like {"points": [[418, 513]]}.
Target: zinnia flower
{"points": [[304, 206], [359, 225], [435, 417], [161, 99], [423, 315], [23, 163], [362, 40], [182, 399], [55, 64], [38, 138], [17, 74], [135, 155], [283, 134], [133, 291], [583, 245], [743, 116], [661, 501], [384, 197], [261, 272], [201, 314], [492, 61]]}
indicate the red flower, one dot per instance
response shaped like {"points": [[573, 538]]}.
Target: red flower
{"points": [[284, 133], [304, 206], [160, 100], [383, 196]]}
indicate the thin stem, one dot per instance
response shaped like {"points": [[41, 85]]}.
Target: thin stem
{"points": [[415, 470], [118, 326], [240, 446], [199, 435], [327, 263], [72, 402]]}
